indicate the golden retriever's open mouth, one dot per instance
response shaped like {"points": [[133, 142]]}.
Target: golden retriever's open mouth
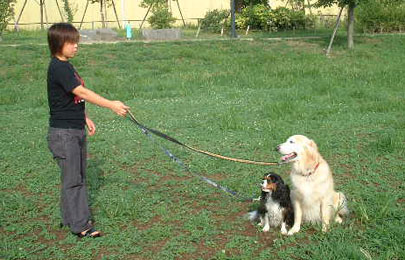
{"points": [[288, 157]]}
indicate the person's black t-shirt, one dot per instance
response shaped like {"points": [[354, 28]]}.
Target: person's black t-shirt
{"points": [[66, 110]]}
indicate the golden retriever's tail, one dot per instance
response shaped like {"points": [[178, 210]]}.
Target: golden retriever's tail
{"points": [[343, 210]]}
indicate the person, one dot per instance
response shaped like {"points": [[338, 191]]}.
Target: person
{"points": [[67, 96]]}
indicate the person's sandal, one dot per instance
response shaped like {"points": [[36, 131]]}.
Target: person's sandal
{"points": [[92, 232]]}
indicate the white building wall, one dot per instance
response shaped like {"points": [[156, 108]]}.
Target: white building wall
{"points": [[126, 10]]}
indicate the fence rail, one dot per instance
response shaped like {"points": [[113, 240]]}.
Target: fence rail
{"points": [[99, 23]]}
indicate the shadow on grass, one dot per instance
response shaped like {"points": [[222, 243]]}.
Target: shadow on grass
{"points": [[95, 177]]}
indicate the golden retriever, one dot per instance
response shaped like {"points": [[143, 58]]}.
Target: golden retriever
{"points": [[313, 195]]}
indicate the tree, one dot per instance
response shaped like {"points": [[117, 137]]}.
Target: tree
{"points": [[148, 3], [68, 11], [161, 16], [6, 12], [240, 4], [351, 5], [103, 11]]}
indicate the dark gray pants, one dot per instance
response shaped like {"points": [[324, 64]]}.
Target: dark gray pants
{"points": [[68, 147]]}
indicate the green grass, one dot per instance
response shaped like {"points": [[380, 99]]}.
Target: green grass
{"points": [[237, 98]]}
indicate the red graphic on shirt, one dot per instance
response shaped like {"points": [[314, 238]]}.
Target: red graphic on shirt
{"points": [[78, 99]]}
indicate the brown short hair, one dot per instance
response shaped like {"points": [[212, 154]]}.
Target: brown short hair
{"points": [[58, 34]]}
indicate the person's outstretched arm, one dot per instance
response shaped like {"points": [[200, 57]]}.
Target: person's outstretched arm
{"points": [[90, 96]]}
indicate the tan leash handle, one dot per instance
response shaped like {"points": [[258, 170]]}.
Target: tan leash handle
{"points": [[230, 158]]}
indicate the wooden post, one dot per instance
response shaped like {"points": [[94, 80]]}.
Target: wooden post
{"points": [[84, 14], [198, 30], [19, 16], [61, 16], [150, 7], [334, 32], [116, 16], [182, 18], [46, 14]]}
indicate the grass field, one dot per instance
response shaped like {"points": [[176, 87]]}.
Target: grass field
{"points": [[237, 98]]}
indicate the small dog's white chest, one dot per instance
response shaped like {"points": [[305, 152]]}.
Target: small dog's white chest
{"points": [[274, 212]]}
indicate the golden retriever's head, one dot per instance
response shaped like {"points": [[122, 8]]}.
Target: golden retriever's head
{"points": [[299, 148]]}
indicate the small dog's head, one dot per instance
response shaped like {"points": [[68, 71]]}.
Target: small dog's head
{"points": [[296, 147], [270, 182]]}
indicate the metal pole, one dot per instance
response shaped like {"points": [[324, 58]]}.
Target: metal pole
{"points": [[233, 29]]}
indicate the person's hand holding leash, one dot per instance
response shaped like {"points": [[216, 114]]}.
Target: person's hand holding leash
{"points": [[119, 108]]}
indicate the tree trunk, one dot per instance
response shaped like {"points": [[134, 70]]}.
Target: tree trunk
{"points": [[350, 26], [41, 7], [102, 14], [233, 25]]}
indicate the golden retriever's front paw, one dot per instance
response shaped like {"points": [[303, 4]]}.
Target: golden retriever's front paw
{"points": [[325, 228], [338, 219], [293, 230]]}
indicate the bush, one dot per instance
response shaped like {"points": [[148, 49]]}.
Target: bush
{"points": [[263, 18], [381, 16], [310, 21], [213, 20], [6, 12], [256, 16], [161, 17], [286, 19]]}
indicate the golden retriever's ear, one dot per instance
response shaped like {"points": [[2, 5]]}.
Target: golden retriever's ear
{"points": [[313, 144], [312, 157]]}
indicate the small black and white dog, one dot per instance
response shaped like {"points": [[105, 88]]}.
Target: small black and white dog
{"points": [[275, 207]]}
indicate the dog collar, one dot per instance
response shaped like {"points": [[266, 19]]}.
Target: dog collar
{"points": [[316, 167]]}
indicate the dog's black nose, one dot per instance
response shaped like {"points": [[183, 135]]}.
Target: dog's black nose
{"points": [[278, 148]]}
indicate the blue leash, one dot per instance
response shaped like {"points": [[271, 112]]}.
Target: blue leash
{"points": [[147, 131]]}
